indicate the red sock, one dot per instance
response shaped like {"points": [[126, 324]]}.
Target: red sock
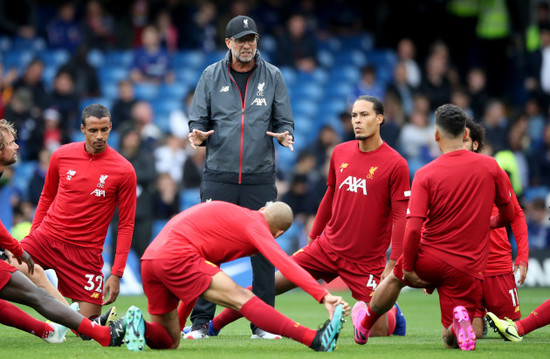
{"points": [[157, 337], [183, 312], [370, 318], [391, 320], [225, 317], [269, 319], [538, 318], [14, 317], [99, 333]]}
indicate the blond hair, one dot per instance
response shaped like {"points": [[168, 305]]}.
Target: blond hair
{"points": [[6, 126]]}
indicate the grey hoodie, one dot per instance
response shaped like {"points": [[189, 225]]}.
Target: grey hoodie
{"points": [[239, 151]]}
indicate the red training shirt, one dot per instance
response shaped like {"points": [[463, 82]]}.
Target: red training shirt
{"points": [[355, 216], [455, 195], [500, 258], [221, 232], [80, 194]]}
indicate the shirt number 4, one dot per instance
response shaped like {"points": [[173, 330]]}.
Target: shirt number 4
{"points": [[371, 283]]}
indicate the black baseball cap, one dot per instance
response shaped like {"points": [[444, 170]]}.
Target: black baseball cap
{"points": [[240, 26]]}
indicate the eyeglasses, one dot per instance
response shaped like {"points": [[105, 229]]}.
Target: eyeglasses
{"points": [[240, 42]]}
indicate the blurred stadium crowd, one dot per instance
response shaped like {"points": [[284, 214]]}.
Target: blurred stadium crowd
{"points": [[142, 60]]}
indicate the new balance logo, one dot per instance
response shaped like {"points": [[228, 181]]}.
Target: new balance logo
{"points": [[224, 89], [355, 184], [70, 174]]}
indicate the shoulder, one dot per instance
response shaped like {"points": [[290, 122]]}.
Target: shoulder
{"points": [[392, 153], [69, 148], [119, 161]]}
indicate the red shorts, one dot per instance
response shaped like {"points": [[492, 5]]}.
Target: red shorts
{"points": [[166, 281], [5, 273], [453, 286], [500, 296], [78, 269], [361, 280]]}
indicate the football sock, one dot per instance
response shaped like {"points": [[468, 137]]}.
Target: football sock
{"points": [[157, 337], [269, 319], [370, 318], [391, 320], [99, 333], [538, 318], [183, 312], [225, 317], [17, 318]]}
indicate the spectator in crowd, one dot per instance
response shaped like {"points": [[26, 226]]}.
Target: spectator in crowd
{"points": [[537, 224], [476, 84], [461, 98], [179, 118], [168, 33], [406, 52], [32, 81], [401, 89], [435, 84], [327, 138], [170, 158], [122, 107], [46, 134], [98, 26], [86, 83], [416, 141], [296, 47], [395, 118], [39, 176], [64, 31], [495, 122], [152, 62], [19, 109], [368, 84], [139, 18], [132, 148], [167, 202], [193, 169], [513, 159], [346, 125], [201, 28], [64, 98], [539, 162], [537, 67], [142, 120], [535, 128], [19, 19]]}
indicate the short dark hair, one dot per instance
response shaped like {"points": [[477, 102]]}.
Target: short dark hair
{"points": [[377, 105], [451, 119], [477, 133], [95, 110]]}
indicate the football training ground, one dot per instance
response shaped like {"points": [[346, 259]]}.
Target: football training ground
{"points": [[423, 339]]}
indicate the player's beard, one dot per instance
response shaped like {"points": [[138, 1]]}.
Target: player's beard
{"points": [[361, 137]]}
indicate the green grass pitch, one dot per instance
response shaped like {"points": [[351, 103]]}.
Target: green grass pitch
{"points": [[423, 339]]}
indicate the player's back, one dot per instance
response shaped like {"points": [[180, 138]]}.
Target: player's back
{"points": [[218, 231], [461, 187]]}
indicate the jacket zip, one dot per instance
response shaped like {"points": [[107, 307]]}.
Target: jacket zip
{"points": [[242, 116]]}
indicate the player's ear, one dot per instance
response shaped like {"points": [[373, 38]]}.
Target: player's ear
{"points": [[466, 133]]}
